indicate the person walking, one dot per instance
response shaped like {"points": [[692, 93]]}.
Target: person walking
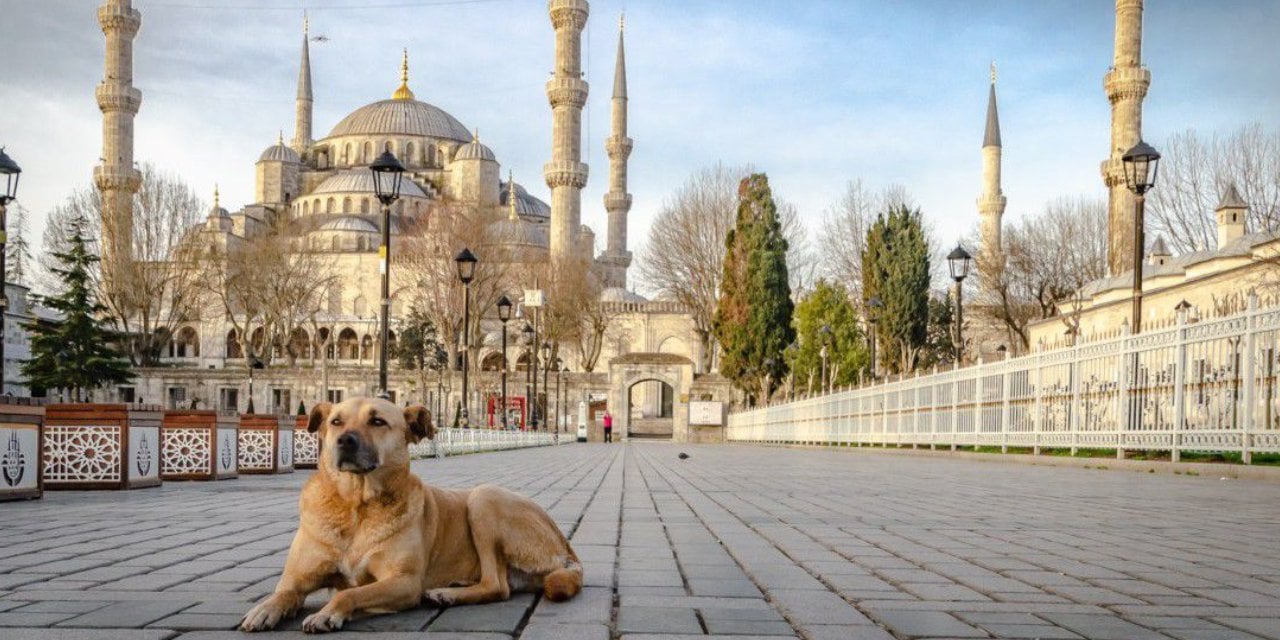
{"points": [[608, 427]]}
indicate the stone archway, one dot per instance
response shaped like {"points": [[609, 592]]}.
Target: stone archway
{"points": [[627, 371]]}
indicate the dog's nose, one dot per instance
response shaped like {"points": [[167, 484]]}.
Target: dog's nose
{"points": [[348, 441]]}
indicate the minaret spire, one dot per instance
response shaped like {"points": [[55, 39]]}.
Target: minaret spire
{"points": [[116, 178], [617, 201], [302, 114], [403, 92], [992, 202], [566, 174], [1126, 85], [512, 215]]}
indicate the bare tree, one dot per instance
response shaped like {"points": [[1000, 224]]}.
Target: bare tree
{"points": [[1196, 169], [18, 250], [844, 231], [1048, 259], [802, 260]]}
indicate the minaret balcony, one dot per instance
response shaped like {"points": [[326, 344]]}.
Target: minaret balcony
{"points": [[567, 90], [113, 16], [617, 201], [618, 148], [1127, 82], [109, 177], [565, 174], [1113, 172], [118, 97], [569, 13]]}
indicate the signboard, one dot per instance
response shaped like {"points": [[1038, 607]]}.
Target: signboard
{"points": [[703, 413], [534, 297]]}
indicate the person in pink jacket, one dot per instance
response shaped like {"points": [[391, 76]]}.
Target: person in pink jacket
{"points": [[608, 427]]}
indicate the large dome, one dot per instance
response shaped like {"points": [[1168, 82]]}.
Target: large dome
{"points": [[401, 117]]}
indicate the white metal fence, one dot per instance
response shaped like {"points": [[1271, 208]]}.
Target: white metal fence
{"points": [[1207, 386], [452, 441]]}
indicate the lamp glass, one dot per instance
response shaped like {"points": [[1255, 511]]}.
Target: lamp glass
{"points": [[466, 262], [504, 309], [386, 177]]}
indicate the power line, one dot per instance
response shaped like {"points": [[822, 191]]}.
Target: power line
{"points": [[399, 4]]}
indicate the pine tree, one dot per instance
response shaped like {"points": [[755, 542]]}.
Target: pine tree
{"points": [[76, 353], [753, 318], [418, 347], [17, 252], [895, 269]]}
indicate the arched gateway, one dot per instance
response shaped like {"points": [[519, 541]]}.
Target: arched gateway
{"points": [[672, 384]]}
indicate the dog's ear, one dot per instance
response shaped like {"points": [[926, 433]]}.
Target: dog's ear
{"points": [[418, 420], [319, 415]]}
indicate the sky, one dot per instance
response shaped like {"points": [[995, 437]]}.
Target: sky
{"points": [[815, 93]]}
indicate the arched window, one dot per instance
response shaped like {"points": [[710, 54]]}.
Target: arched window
{"points": [[360, 306], [386, 146], [346, 155], [187, 343], [431, 155], [333, 244], [366, 347], [306, 208], [368, 153], [300, 343], [362, 244], [391, 342], [410, 159], [492, 362], [259, 340], [233, 345], [364, 205], [330, 206], [348, 344], [322, 338], [346, 205]]}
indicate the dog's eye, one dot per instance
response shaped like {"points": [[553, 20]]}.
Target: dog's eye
{"points": [[377, 422], [337, 422]]}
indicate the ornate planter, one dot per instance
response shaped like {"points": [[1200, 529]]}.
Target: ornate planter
{"points": [[21, 433], [101, 446], [198, 445], [266, 443], [306, 445]]}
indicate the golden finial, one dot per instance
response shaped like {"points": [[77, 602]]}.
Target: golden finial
{"points": [[993, 72], [215, 197], [403, 92]]}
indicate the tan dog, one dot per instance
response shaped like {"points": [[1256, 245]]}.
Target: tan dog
{"points": [[385, 541]]}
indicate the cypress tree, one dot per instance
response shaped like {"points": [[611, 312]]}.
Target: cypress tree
{"points": [[76, 353], [753, 317], [895, 269]]}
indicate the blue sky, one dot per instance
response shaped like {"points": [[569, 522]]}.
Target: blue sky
{"points": [[814, 93]]}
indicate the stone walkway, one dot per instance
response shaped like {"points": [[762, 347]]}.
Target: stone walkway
{"points": [[737, 541]]}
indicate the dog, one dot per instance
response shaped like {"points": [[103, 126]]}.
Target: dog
{"points": [[386, 541]]}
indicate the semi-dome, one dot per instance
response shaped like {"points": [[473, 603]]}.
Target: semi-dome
{"points": [[401, 117], [352, 224], [361, 181], [474, 151], [514, 232], [279, 152], [526, 205]]}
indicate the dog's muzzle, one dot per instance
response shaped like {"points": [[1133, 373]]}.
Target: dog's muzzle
{"points": [[353, 455]]}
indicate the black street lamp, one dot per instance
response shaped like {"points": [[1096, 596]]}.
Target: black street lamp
{"points": [[559, 405], [466, 262], [825, 332], [958, 260], [387, 173], [565, 372], [528, 341], [546, 383], [1140, 167], [9, 172], [254, 363], [874, 306], [504, 314]]}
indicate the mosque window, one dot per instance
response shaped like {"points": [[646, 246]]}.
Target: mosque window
{"points": [[368, 153], [408, 154], [306, 208], [333, 243], [346, 205], [330, 206], [233, 345], [346, 154], [360, 307], [386, 146], [366, 347], [347, 344], [364, 205], [431, 155], [361, 244]]}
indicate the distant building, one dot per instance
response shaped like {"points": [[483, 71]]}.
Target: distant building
{"points": [[19, 315]]}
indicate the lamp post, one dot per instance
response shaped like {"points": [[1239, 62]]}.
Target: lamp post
{"points": [[769, 364], [504, 314], [1140, 166], [958, 260], [874, 305], [386, 185], [546, 364], [559, 405], [565, 372], [254, 363], [466, 262], [527, 333], [825, 331], [9, 173]]}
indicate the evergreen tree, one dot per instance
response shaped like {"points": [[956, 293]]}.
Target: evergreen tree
{"points": [[418, 347], [941, 349], [17, 253], [753, 317], [825, 308], [76, 353], [895, 269]]}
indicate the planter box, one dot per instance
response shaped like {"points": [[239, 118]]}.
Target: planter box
{"points": [[21, 435], [198, 445], [306, 445], [266, 443], [101, 446]]}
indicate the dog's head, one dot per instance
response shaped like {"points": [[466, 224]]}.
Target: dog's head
{"points": [[362, 435]]}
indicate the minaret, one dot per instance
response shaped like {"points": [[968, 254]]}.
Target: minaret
{"points": [[617, 201], [992, 201], [302, 117], [1126, 84], [116, 177], [566, 174]]}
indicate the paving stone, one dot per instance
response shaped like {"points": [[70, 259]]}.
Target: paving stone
{"points": [[1101, 627], [817, 607], [63, 606], [723, 627], [19, 619], [132, 615], [500, 616], [846, 632], [656, 620], [187, 621], [592, 605], [298, 635], [88, 634], [730, 588], [1037, 631], [1259, 626], [547, 631], [930, 624]]}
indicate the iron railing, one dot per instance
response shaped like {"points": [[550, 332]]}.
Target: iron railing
{"points": [[456, 441]]}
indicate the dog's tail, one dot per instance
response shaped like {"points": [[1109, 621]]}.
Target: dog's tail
{"points": [[564, 583]]}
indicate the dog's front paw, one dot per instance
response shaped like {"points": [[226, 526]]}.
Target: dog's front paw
{"points": [[438, 597], [323, 621], [266, 615]]}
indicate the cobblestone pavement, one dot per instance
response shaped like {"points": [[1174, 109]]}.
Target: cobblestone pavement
{"points": [[737, 541]]}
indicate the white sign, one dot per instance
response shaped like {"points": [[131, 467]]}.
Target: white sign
{"points": [[19, 454], [144, 453], [534, 297], [706, 413]]}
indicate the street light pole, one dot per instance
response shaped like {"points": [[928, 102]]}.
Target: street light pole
{"points": [[1141, 164], [504, 314], [466, 262], [527, 334], [874, 305], [10, 172], [546, 383], [958, 260], [387, 173]]}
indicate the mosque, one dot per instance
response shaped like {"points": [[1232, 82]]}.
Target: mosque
{"points": [[321, 193]]}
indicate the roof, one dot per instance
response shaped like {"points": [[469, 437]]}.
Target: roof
{"points": [[361, 181], [526, 205], [354, 224], [991, 138], [1159, 248], [279, 152], [474, 151], [1231, 199], [402, 117]]}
